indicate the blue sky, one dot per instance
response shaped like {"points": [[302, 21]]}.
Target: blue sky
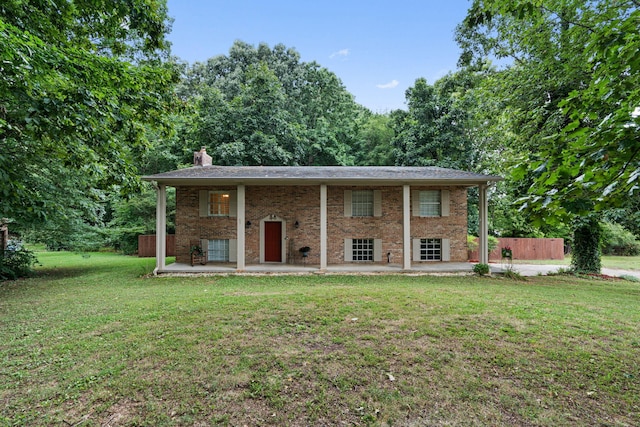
{"points": [[377, 48]]}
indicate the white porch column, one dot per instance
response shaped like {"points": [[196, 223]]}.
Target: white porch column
{"points": [[323, 226], [406, 227], [161, 228], [483, 232], [240, 228]]}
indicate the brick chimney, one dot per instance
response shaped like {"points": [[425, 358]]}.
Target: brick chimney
{"points": [[201, 158]]}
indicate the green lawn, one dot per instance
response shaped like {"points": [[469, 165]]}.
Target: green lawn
{"points": [[92, 341], [620, 262]]}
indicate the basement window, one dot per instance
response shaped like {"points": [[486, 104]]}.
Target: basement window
{"points": [[362, 249], [218, 250], [430, 249]]}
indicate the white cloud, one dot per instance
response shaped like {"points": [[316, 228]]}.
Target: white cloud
{"points": [[342, 53], [393, 83]]}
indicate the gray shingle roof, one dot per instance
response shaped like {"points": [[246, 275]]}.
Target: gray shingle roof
{"points": [[302, 175]]}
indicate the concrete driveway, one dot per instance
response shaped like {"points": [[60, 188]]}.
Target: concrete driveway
{"points": [[537, 269]]}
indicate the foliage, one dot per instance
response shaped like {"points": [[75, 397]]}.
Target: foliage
{"points": [[373, 146], [627, 215], [433, 132], [71, 235], [263, 106], [618, 241], [586, 245], [80, 81], [492, 242], [582, 123], [16, 263], [511, 273], [135, 216], [472, 242], [481, 269], [570, 98]]}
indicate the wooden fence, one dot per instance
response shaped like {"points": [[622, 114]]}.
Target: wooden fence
{"points": [[147, 245], [526, 249]]}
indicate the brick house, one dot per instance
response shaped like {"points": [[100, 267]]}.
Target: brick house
{"points": [[266, 214]]}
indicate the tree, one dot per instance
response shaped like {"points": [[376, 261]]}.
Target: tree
{"points": [[373, 146], [572, 94], [262, 106], [434, 130], [80, 80]]}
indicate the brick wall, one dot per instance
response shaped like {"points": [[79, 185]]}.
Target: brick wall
{"points": [[302, 204]]}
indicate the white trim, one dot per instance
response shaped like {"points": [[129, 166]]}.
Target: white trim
{"points": [[161, 228], [323, 227], [406, 226], [233, 250], [483, 226], [240, 230]]}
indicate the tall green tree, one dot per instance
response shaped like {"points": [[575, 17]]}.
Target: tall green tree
{"points": [[375, 134], [80, 82], [263, 106], [572, 94], [434, 130]]}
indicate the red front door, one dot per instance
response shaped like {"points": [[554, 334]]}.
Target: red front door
{"points": [[272, 241]]}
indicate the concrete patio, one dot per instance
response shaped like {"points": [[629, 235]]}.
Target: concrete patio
{"points": [[278, 268], [430, 268]]}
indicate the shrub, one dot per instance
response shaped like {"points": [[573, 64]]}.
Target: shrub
{"points": [[512, 274], [472, 243], [586, 245], [616, 240], [16, 262], [481, 269]]}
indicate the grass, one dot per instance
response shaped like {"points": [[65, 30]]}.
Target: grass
{"points": [[608, 261], [92, 341]]}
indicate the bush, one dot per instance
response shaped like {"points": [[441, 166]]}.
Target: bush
{"points": [[586, 245], [512, 274], [473, 243], [616, 240], [481, 269], [16, 262]]}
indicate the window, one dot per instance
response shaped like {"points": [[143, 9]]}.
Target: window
{"points": [[218, 250], [362, 203], [218, 203], [362, 249], [430, 249], [430, 203]]}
